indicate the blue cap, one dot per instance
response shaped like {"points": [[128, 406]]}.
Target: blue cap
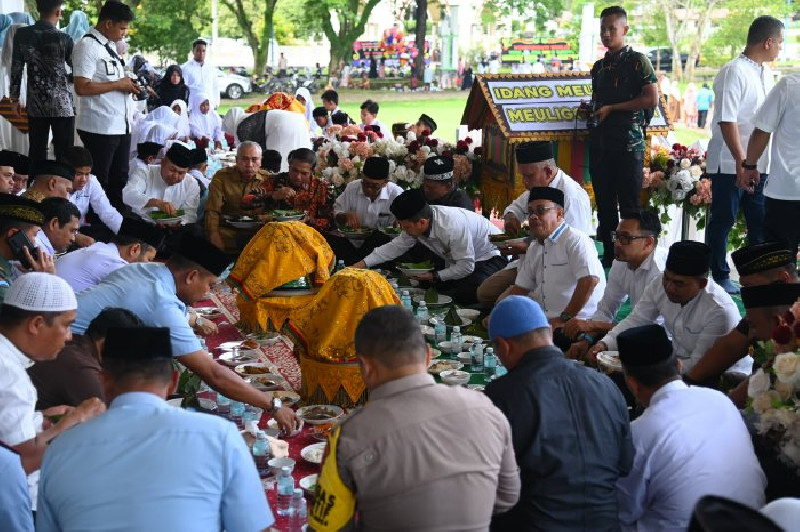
{"points": [[516, 315]]}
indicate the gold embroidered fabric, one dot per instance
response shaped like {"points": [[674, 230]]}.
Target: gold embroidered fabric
{"points": [[337, 384], [268, 313], [324, 329], [279, 253]]}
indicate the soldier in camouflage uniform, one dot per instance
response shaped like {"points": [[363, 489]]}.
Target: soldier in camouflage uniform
{"points": [[625, 91]]}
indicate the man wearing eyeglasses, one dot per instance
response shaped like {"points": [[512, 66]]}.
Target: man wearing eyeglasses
{"points": [[560, 270], [696, 310], [364, 205], [637, 261]]}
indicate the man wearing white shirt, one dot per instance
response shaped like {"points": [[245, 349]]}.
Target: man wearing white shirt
{"points": [[696, 310], [164, 188], [690, 442], [537, 166], [739, 90], [365, 203], [35, 320], [200, 76], [369, 116], [104, 98], [560, 270], [637, 261], [88, 192], [778, 116], [61, 223], [459, 238], [136, 241]]}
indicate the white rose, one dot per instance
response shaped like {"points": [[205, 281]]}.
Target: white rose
{"points": [[787, 367], [411, 136], [686, 163], [337, 180], [356, 160], [763, 403], [696, 171], [679, 195], [785, 417], [673, 184], [758, 384], [392, 166]]}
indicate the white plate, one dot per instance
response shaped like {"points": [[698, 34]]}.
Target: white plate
{"points": [[266, 382], [468, 313], [455, 377], [229, 346], [265, 339], [308, 483], [175, 402], [245, 225], [240, 368], [438, 366], [476, 387], [441, 301], [610, 359], [290, 218], [464, 322], [288, 398], [210, 313], [417, 271], [337, 413], [509, 242], [314, 453], [245, 356]]}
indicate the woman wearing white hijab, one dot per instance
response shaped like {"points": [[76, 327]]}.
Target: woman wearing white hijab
{"points": [[231, 122], [12, 138], [285, 132], [179, 108], [161, 115], [304, 97], [204, 122]]}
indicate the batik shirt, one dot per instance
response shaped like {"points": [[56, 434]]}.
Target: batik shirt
{"points": [[46, 51]]}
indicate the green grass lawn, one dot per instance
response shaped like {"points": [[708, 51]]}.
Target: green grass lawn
{"points": [[445, 107]]}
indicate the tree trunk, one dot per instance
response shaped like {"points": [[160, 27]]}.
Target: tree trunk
{"points": [[259, 44], [351, 27], [672, 34], [702, 26], [421, 30], [266, 34]]}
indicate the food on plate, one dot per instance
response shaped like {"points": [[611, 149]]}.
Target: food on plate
{"points": [[431, 296], [284, 213], [443, 365], [255, 370], [161, 215], [452, 318], [393, 231], [318, 413], [502, 237], [250, 344], [315, 455], [321, 432]]}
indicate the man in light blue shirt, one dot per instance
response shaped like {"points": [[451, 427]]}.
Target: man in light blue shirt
{"points": [[705, 98], [159, 294], [15, 503], [146, 465]]}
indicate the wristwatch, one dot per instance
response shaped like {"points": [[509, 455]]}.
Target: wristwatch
{"points": [[586, 336], [198, 322], [565, 316], [277, 404], [749, 166]]}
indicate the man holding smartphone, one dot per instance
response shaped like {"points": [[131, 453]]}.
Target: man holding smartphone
{"points": [[20, 220]]}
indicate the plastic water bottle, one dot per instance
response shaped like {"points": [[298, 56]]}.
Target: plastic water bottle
{"points": [[422, 312], [299, 511], [261, 454], [489, 362], [237, 411], [223, 405], [285, 486], [405, 299], [440, 330], [340, 265], [455, 339], [477, 356]]}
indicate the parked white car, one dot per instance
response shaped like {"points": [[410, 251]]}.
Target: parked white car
{"points": [[233, 86]]}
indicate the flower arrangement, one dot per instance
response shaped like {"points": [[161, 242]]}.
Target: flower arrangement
{"points": [[774, 391], [677, 177], [340, 160]]}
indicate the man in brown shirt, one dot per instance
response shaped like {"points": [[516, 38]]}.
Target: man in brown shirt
{"points": [[74, 375], [419, 456], [236, 191]]}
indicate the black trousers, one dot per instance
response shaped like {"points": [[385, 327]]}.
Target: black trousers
{"points": [[39, 134], [464, 291], [617, 181], [111, 155], [782, 221], [702, 116]]}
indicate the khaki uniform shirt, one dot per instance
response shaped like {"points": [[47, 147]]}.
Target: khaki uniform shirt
{"points": [[225, 197], [419, 456]]}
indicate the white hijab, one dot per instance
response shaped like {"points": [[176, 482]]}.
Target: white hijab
{"points": [[285, 131], [231, 122], [183, 118], [302, 91], [202, 125]]}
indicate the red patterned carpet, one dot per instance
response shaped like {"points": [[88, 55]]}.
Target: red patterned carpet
{"points": [[278, 354]]}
